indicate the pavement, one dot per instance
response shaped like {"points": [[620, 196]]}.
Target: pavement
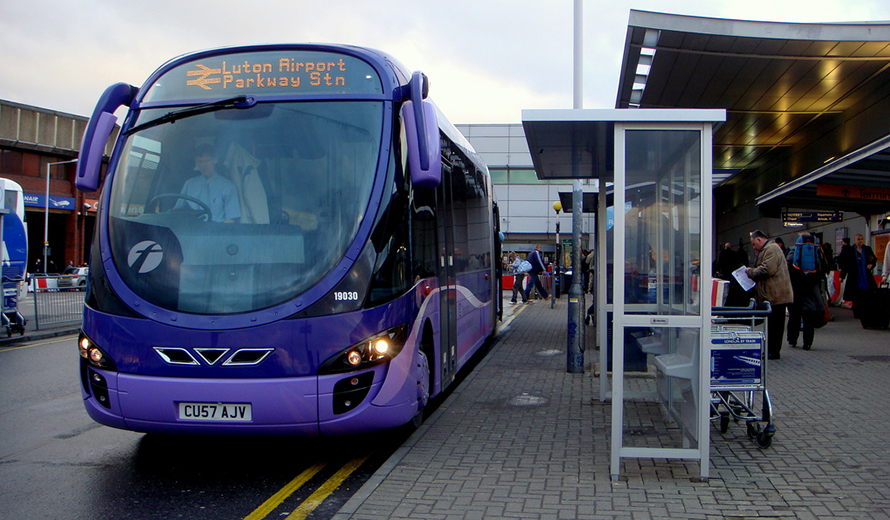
{"points": [[522, 438], [32, 332]]}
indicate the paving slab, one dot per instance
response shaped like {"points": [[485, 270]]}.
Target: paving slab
{"points": [[522, 438]]}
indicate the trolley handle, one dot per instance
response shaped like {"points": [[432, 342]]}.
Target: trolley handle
{"points": [[750, 311], [752, 305]]}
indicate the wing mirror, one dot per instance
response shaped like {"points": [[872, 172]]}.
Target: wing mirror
{"points": [[422, 132], [98, 131]]}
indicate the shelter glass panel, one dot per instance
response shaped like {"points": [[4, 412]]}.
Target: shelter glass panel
{"points": [[663, 228], [675, 385]]}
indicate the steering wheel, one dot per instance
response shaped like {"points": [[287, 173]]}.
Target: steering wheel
{"points": [[203, 213]]}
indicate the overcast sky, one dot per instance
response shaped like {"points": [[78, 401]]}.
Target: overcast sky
{"points": [[486, 59]]}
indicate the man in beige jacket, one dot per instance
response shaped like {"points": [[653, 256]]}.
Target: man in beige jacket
{"points": [[770, 271]]}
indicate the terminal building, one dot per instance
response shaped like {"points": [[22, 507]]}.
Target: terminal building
{"points": [[36, 142], [805, 145]]}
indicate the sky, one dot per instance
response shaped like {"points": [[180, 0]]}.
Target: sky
{"points": [[486, 59]]}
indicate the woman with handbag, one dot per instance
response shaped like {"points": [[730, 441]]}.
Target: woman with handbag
{"points": [[858, 263], [518, 277], [537, 267]]}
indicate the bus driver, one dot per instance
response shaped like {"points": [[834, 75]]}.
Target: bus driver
{"points": [[211, 188]]}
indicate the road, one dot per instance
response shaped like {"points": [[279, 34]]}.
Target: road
{"points": [[55, 462]]}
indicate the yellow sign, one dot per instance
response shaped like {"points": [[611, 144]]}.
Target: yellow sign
{"points": [[204, 80], [259, 75], [852, 192], [274, 72]]}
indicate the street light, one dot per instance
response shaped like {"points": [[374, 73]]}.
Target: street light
{"points": [[46, 213], [557, 207]]}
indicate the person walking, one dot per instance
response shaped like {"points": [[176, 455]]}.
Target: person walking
{"points": [[886, 268], [858, 261], [828, 255], [538, 267], [728, 261], [743, 255], [590, 287], [518, 278], [807, 269], [781, 244], [590, 262], [770, 271]]}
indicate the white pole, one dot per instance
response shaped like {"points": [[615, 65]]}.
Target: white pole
{"points": [[579, 55], [575, 354]]}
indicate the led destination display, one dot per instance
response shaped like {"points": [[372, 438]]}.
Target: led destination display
{"points": [[266, 73]]}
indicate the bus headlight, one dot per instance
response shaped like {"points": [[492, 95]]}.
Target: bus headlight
{"points": [[381, 347], [375, 350], [94, 355]]}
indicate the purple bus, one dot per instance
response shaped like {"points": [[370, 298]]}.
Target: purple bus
{"points": [[291, 240]]}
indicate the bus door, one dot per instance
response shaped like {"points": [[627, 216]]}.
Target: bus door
{"points": [[497, 262], [447, 281]]}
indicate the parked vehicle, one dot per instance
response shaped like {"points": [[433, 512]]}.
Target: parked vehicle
{"points": [[74, 277]]}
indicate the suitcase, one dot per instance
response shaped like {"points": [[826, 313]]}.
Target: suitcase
{"points": [[874, 308]]}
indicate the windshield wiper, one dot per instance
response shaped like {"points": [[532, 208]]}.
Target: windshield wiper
{"points": [[239, 102]]}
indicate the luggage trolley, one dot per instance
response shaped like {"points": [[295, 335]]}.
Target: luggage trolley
{"points": [[739, 369], [12, 319]]}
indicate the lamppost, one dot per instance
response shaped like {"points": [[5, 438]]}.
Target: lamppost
{"points": [[557, 207], [46, 212]]}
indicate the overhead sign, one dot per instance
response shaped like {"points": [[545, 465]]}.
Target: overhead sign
{"points": [[797, 219], [852, 192]]}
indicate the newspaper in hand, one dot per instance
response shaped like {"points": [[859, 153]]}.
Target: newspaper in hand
{"points": [[741, 276]]}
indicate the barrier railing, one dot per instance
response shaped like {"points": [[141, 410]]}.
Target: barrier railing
{"points": [[53, 306]]}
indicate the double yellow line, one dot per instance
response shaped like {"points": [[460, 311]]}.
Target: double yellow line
{"points": [[315, 499]]}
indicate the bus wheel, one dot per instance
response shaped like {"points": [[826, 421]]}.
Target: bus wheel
{"points": [[423, 388]]}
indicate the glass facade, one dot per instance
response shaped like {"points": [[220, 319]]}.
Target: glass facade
{"points": [[525, 202]]}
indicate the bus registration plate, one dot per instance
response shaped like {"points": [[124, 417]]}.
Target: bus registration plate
{"points": [[215, 412]]}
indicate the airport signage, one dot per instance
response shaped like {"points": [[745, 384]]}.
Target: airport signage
{"points": [[797, 219], [38, 200], [852, 192]]}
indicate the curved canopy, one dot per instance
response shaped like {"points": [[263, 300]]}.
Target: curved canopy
{"points": [[808, 105]]}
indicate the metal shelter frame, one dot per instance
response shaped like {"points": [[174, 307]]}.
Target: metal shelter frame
{"points": [[594, 144]]}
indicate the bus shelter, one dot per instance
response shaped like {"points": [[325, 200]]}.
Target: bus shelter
{"points": [[654, 251]]}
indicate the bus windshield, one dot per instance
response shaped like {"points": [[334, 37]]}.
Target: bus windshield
{"points": [[241, 209]]}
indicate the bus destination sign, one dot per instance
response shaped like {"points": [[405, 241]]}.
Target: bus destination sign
{"points": [[287, 73], [273, 72]]}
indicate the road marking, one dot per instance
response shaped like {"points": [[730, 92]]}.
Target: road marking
{"points": [[505, 324], [315, 499], [29, 345], [275, 500]]}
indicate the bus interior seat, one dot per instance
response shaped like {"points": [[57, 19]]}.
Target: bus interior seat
{"points": [[244, 173], [254, 202]]}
